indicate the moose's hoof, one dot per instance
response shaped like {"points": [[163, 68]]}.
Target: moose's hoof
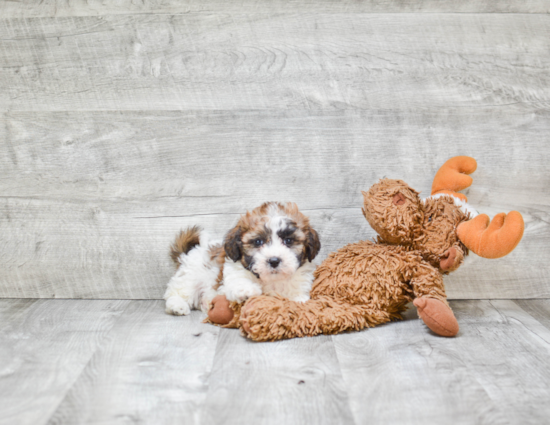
{"points": [[437, 316], [220, 313]]}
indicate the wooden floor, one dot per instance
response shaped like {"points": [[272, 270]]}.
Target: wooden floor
{"points": [[106, 362]]}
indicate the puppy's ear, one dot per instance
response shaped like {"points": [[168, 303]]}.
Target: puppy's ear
{"points": [[232, 243], [312, 244]]}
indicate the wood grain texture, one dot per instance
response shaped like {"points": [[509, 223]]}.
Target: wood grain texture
{"points": [[539, 309], [495, 371], [153, 370], [59, 8], [90, 361], [290, 382], [91, 201], [254, 60], [14, 310], [44, 347]]}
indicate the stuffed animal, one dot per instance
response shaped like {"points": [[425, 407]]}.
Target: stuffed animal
{"points": [[365, 284]]}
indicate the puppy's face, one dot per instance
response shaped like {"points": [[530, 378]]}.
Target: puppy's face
{"points": [[272, 241]]}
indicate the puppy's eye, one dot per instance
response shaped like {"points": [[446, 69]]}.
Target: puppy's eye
{"points": [[287, 241], [258, 242]]}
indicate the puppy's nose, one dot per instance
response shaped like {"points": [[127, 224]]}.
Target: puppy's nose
{"points": [[274, 262]]}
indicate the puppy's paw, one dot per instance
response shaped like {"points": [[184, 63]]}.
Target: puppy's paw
{"points": [[240, 293], [301, 298], [206, 305], [207, 300], [177, 306], [245, 293]]}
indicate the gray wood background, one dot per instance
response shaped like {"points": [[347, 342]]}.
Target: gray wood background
{"points": [[123, 122]]}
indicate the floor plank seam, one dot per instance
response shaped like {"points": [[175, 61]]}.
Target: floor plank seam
{"points": [[87, 363], [348, 398]]}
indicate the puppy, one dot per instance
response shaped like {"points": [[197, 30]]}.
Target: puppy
{"points": [[268, 252]]}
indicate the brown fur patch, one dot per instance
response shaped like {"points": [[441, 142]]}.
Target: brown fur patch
{"points": [[217, 254], [185, 241]]}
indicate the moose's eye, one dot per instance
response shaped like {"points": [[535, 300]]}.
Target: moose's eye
{"points": [[287, 241], [258, 242]]}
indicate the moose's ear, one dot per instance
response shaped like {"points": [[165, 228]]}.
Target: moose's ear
{"points": [[233, 243], [398, 199], [312, 244]]}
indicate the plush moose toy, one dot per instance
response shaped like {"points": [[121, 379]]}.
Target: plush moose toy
{"points": [[365, 284]]}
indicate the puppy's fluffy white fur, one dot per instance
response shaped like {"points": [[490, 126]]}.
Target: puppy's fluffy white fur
{"points": [[268, 252], [192, 286]]}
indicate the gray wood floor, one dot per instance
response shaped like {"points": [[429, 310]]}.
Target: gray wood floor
{"points": [[99, 361]]}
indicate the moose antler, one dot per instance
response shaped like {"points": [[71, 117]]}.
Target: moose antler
{"points": [[488, 239], [494, 239], [453, 176]]}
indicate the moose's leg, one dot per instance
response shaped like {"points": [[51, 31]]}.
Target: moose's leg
{"points": [[431, 301], [452, 259], [268, 318], [224, 313]]}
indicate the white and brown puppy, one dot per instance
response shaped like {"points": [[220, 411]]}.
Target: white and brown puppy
{"points": [[268, 252]]}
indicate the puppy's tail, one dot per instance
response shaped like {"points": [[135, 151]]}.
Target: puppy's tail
{"points": [[185, 242]]}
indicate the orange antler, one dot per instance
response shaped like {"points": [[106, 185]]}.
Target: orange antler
{"points": [[494, 239], [453, 176]]}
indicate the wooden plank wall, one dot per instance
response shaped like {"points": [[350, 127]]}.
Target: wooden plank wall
{"points": [[121, 123]]}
